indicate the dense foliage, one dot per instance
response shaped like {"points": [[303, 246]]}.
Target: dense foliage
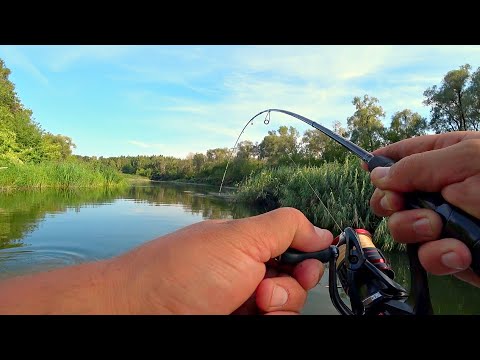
{"points": [[22, 140], [32, 157]]}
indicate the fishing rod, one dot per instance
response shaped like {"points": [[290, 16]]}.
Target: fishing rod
{"points": [[361, 267]]}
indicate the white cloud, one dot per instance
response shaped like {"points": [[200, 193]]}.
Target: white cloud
{"points": [[316, 62], [145, 145], [202, 96], [318, 82], [17, 58]]}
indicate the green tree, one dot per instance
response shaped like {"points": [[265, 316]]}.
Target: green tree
{"points": [[15, 116], [246, 150], [314, 143], [406, 124], [60, 146], [473, 93], [8, 97], [333, 150], [365, 126], [452, 103], [218, 154], [276, 147], [198, 161], [9, 150]]}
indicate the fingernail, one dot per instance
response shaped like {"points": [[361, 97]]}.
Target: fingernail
{"points": [[423, 227], [385, 203], [279, 296], [379, 173], [321, 232], [452, 260]]}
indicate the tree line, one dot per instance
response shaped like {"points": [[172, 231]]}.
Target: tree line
{"points": [[454, 105], [22, 139]]}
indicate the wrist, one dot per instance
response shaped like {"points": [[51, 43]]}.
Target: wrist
{"points": [[130, 290]]}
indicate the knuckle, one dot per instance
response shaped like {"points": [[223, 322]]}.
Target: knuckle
{"points": [[293, 213], [402, 167], [471, 148], [217, 221], [404, 172]]}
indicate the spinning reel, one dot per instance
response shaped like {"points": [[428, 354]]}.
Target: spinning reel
{"points": [[365, 276]]}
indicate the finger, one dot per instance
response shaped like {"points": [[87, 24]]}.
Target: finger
{"points": [[445, 256], [431, 170], [406, 147], [271, 272], [385, 203], [364, 165], [248, 307], [217, 221], [269, 235], [465, 194], [280, 294], [282, 313], [308, 273], [419, 144], [415, 225], [469, 277]]}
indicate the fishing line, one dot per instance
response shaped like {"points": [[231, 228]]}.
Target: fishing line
{"points": [[316, 194], [266, 121]]}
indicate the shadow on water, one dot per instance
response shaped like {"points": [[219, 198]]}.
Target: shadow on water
{"points": [[50, 228]]}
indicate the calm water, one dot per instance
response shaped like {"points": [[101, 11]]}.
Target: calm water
{"points": [[42, 230]]}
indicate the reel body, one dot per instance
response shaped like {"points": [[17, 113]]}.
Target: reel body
{"points": [[366, 277]]}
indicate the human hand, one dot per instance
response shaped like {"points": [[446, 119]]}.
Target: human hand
{"points": [[219, 267], [446, 163]]}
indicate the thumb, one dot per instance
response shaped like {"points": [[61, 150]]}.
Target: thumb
{"points": [[274, 232]]}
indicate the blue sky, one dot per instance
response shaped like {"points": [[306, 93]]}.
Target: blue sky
{"points": [[173, 100]]}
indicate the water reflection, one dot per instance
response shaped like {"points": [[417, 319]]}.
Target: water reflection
{"points": [[41, 230], [196, 199], [21, 212]]}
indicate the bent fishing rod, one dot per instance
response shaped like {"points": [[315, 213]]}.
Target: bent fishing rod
{"points": [[362, 265]]}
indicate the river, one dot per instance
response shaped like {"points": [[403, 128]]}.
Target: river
{"points": [[43, 230]]}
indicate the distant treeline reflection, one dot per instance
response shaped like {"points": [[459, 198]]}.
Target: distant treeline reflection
{"points": [[22, 211]]}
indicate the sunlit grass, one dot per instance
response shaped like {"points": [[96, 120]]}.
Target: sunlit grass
{"points": [[345, 189], [58, 175]]}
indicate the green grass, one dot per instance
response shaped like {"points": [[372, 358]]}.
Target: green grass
{"points": [[345, 189], [58, 175]]}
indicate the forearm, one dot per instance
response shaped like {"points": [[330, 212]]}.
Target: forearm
{"points": [[81, 289]]}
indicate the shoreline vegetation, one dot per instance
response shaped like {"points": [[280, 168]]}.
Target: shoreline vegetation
{"points": [[58, 175], [343, 188]]}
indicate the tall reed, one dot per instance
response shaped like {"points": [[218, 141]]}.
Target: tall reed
{"points": [[58, 175], [344, 188]]}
